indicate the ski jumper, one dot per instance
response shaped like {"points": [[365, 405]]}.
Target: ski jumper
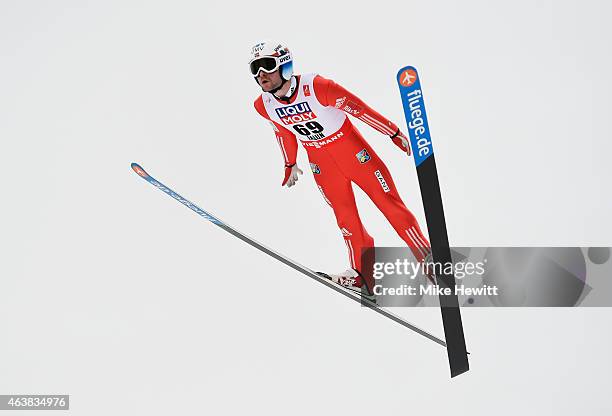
{"points": [[339, 155]]}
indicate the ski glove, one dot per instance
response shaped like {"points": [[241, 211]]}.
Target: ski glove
{"points": [[291, 175], [401, 141]]}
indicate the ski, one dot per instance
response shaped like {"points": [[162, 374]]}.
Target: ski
{"points": [[420, 140], [293, 264]]}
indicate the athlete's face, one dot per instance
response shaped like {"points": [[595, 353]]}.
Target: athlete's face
{"points": [[269, 81]]}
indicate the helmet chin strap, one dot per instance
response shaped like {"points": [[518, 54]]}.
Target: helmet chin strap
{"points": [[275, 90], [290, 92]]}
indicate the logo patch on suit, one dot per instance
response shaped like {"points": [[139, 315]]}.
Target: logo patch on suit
{"points": [[353, 109], [307, 90], [295, 113], [363, 156], [315, 168], [382, 181]]}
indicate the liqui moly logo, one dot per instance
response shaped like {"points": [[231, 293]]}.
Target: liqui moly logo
{"points": [[295, 113]]}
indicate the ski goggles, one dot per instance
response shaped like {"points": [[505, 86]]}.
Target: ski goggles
{"points": [[266, 64]]}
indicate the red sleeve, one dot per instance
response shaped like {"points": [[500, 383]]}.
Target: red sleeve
{"points": [[285, 138], [331, 94]]}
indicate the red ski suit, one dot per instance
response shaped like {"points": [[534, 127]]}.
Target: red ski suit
{"points": [[340, 157]]}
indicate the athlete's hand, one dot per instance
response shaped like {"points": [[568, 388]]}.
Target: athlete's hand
{"points": [[401, 141], [291, 175]]}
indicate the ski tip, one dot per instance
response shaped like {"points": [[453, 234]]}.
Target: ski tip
{"points": [[407, 76], [139, 170]]}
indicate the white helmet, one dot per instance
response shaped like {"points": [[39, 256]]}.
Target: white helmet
{"points": [[270, 56]]}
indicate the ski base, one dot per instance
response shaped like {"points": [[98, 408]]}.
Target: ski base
{"points": [[291, 263]]}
